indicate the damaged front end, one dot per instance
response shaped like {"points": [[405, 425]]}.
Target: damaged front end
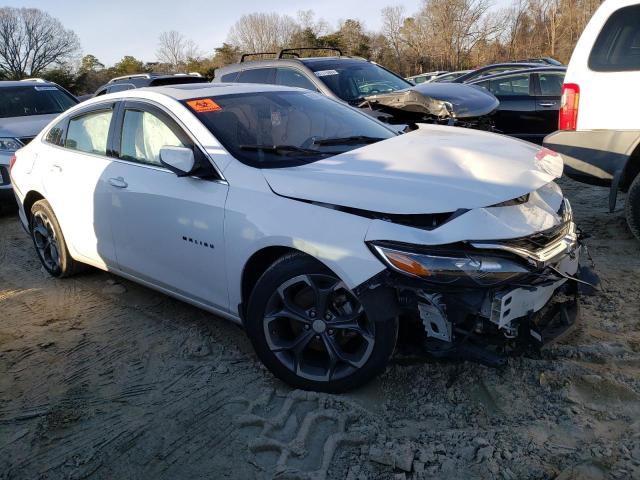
{"points": [[440, 103], [484, 300]]}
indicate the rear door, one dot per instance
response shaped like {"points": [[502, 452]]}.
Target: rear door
{"points": [[168, 230], [74, 181], [516, 114], [548, 93]]}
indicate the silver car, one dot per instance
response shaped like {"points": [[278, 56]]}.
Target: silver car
{"points": [[26, 107]]}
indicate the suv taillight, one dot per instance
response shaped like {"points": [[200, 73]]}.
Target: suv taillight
{"points": [[12, 162], [568, 119]]}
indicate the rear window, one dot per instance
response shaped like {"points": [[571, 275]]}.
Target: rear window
{"points": [[617, 48], [177, 80], [33, 100]]}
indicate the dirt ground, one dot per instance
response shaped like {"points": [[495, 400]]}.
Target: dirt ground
{"points": [[101, 378]]}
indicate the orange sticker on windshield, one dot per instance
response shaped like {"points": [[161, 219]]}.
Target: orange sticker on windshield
{"points": [[204, 105]]}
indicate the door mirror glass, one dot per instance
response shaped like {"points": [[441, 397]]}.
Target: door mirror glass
{"points": [[180, 160]]}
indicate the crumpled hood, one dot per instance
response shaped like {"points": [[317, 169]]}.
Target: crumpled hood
{"points": [[28, 126], [441, 100], [435, 169]]}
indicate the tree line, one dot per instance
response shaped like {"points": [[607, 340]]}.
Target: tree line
{"points": [[441, 35]]}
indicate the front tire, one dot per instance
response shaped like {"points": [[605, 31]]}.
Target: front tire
{"points": [[49, 242], [632, 207], [311, 331]]}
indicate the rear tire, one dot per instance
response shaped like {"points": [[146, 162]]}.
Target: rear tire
{"points": [[311, 331], [632, 207], [50, 243]]}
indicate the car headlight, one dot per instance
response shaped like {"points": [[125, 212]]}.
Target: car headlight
{"points": [[461, 269], [10, 144]]}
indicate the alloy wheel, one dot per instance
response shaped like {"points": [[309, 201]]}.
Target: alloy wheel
{"points": [[46, 242], [317, 328]]}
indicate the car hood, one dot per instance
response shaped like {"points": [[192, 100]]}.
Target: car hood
{"points": [[435, 169], [439, 99], [29, 126]]}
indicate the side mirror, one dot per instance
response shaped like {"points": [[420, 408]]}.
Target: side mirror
{"points": [[180, 160]]}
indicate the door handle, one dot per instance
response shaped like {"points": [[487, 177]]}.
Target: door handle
{"points": [[118, 182], [547, 104], [55, 168]]}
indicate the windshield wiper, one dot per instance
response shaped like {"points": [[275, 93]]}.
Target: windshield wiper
{"points": [[285, 149], [354, 140]]}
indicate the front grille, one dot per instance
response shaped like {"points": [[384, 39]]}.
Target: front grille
{"points": [[4, 176], [25, 140], [540, 240]]}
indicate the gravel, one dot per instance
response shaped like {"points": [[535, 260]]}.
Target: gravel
{"points": [[103, 378]]}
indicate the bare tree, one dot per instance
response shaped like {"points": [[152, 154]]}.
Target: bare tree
{"points": [[176, 50], [32, 40], [393, 19], [261, 32]]}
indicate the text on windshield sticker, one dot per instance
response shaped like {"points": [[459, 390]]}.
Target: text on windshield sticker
{"points": [[325, 73], [204, 105]]}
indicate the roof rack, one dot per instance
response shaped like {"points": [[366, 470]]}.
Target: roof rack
{"points": [[245, 55], [293, 51], [39, 80], [129, 77]]}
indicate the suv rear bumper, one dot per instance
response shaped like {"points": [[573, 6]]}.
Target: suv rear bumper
{"points": [[597, 157]]}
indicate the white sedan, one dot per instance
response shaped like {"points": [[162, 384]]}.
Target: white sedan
{"points": [[316, 227]]}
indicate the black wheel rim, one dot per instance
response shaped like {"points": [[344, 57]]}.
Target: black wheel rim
{"points": [[317, 328], [44, 237]]}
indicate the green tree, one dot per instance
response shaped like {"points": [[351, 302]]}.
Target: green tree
{"points": [[63, 75], [226, 54], [129, 66], [90, 63]]}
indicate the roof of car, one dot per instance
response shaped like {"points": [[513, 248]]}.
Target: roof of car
{"points": [[25, 83], [541, 68], [285, 61], [201, 90]]}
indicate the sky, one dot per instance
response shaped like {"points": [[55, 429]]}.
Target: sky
{"points": [[111, 29]]}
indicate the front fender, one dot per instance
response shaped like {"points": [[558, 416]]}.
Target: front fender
{"points": [[256, 220]]}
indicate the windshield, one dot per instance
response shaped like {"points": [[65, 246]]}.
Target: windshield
{"points": [[352, 81], [280, 129], [33, 100]]}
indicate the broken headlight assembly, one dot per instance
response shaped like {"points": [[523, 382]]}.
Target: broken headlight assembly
{"points": [[464, 269]]}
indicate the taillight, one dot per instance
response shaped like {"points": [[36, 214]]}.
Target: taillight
{"points": [[568, 119], [12, 162]]}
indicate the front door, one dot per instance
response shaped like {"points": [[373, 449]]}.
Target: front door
{"points": [[168, 230]]}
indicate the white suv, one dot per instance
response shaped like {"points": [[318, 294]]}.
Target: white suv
{"points": [[599, 127], [307, 221]]}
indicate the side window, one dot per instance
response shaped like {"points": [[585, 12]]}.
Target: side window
{"points": [[617, 47], [89, 132], [255, 75], [56, 134], [143, 135], [551, 84], [509, 86], [292, 78], [493, 71], [229, 77]]}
